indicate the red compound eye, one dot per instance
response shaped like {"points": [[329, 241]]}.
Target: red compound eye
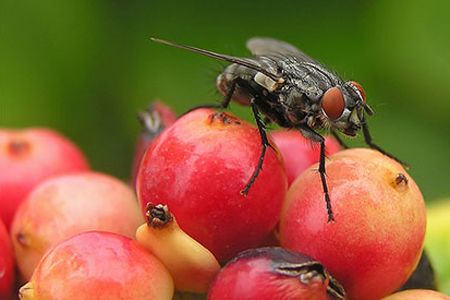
{"points": [[333, 103], [360, 89]]}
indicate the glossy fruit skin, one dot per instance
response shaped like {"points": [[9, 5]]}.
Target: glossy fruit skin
{"points": [[29, 156], [6, 264], [417, 295], [299, 152], [199, 166], [100, 265], [271, 273], [69, 204], [377, 238]]}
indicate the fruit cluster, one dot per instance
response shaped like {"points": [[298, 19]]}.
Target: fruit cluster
{"points": [[184, 230]]}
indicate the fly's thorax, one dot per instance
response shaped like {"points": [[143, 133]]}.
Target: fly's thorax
{"points": [[232, 73]]}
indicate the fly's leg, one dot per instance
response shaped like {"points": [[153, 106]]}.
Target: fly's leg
{"points": [[368, 140], [324, 180], [311, 134], [224, 104], [338, 138], [264, 143]]}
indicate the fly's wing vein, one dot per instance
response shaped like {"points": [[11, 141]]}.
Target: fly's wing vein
{"points": [[260, 46]]}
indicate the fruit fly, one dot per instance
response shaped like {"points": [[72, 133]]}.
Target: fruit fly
{"points": [[294, 91]]}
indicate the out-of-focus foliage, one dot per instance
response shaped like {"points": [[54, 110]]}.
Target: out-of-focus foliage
{"points": [[437, 241], [85, 67]]}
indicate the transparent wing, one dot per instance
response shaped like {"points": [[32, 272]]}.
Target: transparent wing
{"points": [[267, 46], [247, 62]]}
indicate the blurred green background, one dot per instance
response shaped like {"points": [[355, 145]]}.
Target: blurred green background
{"points": [[85, 67]]}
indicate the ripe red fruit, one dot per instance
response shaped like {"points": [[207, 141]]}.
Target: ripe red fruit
{"points": [[376, 240], [417, 295], [99, 265], [199, 166], [6, 264], [29, 156], [299, 152], [154, 120], [274, 273], [66, 205]]}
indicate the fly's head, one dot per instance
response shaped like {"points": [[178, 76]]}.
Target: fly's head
{"points": [[344, 107]]}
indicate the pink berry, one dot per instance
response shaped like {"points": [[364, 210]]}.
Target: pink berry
{"points": [[376, 240], [299, 152], [99, 265], [66, 205], [29, 156]]}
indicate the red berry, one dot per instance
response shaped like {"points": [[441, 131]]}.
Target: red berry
{"points": [[154, 120], [99, 265], [274, 273], [199, 166], [29, 156], [299, 152], [6, 264], [66, 205], [376, 241]]}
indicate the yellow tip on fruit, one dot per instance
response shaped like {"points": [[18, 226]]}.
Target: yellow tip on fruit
{"points": [[26, 292], [191, 265]]}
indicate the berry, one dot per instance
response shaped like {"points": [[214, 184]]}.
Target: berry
{"points": [[376, 241], [199, 167], [98, 265], [63, 206], [274, 273], [29, 156]]}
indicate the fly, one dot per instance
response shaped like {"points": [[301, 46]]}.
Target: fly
{"points": [[294, 91]]}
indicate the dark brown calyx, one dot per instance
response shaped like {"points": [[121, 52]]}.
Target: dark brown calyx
{"points": [[307, 272], [158, 215], [401, 179], [313, 272], [400, 182], [223, 118]]}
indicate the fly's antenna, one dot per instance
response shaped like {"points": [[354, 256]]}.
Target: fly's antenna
{"points": [[368, 109], [232, 59]]}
